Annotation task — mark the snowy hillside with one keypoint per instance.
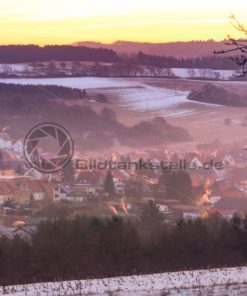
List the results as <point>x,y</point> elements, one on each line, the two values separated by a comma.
<point>227,281</point>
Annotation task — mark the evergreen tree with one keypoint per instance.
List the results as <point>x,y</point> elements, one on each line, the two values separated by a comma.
<point>151,227</point>
<point>109,184</point>
<point>151,215</point>
<point>177,185</point>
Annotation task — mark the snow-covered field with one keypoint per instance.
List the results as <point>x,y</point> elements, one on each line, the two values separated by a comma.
<point>218,282</point>
<point>134,94</point>
<point>151,98</point>
<point>74,82</point>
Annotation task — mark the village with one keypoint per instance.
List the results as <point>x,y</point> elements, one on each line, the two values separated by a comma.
<point>28,197</point>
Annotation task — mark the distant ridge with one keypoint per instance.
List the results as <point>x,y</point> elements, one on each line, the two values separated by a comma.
<point>180,49</point>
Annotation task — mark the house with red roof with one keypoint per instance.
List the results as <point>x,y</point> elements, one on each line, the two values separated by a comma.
<point>31,190</point>
<point>8,191</point>
<point>233,192</point>
<point>227,207</point>
<point>227,214</point>
<point>91,180</point>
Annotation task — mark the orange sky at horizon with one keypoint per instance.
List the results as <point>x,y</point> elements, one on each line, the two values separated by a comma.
<point>63,22</point>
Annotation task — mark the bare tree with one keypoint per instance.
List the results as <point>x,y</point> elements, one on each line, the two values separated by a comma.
<point>51,68</point>
<point>239,46</point>
<point>202,73</point>
<point>63,65</point>
<point>7,70</point>
<point>168,72</point>
<point>191,72</point>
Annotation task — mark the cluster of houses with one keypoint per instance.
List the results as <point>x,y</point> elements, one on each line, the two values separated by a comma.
<point>220,190</point>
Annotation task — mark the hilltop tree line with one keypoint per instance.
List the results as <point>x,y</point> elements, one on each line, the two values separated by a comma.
<point>208,62</point>
<point>34,53</point>
<point>92,247</point>
<point>37,54</point>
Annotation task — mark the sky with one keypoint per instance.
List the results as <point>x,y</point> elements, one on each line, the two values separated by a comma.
<point>64,22</point>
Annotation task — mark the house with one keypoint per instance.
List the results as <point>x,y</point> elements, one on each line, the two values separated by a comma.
<point>77,193</point>
<point>240,157</point>
<point>239,178</point>
<point>5,143</point>
<point>30,190</point>
<point>179,209</point>
<point>119,186</point>
<point>11,160</point>
<point>229,161</point>
<point>239,203</point>
<point>87,188</point>
<point>48,187</point>
<point>215,195</point>
<point>60,192</point>
<point>163,208</point>
<point>76,196</point>
<point>93,181</point>
<point>220,174</point>
<point>227,214</point>
<point>192,215</point>
<point>34,174</point>
<point>233,192</point>
<point>232,203</point>
<point>195,159</point>
<point>36,189</point>
<point>24,232</point>
<point>8,191</point>
<point>122,175</point>
<point>11,220</point>
<point>229,206</point>
<point>6,232</point>
<point>200,177</point>
<point>6,173</point>
<point>241,185</point>
<point>156,163</point>
<point>196,181</point>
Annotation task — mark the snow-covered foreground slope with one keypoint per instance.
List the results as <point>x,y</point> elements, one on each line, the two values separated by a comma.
<point>227,281</point>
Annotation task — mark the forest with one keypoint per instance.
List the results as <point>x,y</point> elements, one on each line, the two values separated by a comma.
<point>87,247</point>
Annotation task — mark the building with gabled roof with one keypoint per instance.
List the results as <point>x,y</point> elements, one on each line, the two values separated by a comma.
<point>93,178</point>
<point>232,203</point>
<point>25,232</point>
<point>224,213</point>
<point>8,190</point>
<point>6,232</point>
<point>233,192</point>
